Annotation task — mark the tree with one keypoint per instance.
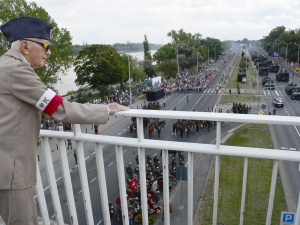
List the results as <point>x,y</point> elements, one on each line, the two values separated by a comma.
<point>61,46</point>
<point>147,53</point>
<point>181,37</point>
<point>164,53</point>
<point>136,68</point>
<point>149,68</point>
<point>168,67</point>
<point>99,65</point>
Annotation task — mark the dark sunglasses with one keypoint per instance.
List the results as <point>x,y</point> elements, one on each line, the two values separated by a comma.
<point>45,45</point>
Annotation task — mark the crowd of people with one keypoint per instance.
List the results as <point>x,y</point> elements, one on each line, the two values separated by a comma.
<point>154,183</point>
<point>240,108</point>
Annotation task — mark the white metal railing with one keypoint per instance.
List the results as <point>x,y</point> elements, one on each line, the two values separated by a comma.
<point>140,143</point>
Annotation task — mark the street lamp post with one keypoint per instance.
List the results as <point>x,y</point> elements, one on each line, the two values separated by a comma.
<point>197,59</point>
<point>129,77</point>
<point>215,51</point>
<point>208,54</point>
<point>298,52</point>
<point>129,63</point>
<point>177,49</point>
<point>286,50</point>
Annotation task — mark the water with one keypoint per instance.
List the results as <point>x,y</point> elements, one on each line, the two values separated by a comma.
<point>67,82</point>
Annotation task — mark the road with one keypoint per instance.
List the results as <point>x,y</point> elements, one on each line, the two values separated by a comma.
<point>287,136</point>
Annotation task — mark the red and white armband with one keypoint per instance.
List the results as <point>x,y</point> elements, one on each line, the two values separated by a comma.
<point>49,102</point>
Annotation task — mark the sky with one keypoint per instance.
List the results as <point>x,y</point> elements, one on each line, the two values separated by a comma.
<point>120,21</point>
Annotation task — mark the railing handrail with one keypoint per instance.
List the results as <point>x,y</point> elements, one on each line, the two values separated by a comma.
<point>141,144</point>
<point>222,117</point>
<point>177,146</point>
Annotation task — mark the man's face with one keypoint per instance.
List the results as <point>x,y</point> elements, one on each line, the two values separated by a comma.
<point>37,53</point>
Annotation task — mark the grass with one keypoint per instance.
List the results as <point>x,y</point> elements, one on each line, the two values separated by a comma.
<point>234,98</point>
<point>230,188</point>
<point>231,176</point>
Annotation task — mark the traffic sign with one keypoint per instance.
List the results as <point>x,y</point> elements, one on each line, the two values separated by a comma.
<point>287,218</point>
<point>260,112</point>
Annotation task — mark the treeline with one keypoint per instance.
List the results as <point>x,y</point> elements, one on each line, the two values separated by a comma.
<point>128,47</point>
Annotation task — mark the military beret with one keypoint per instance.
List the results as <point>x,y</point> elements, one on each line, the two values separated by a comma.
<point>26,27</point>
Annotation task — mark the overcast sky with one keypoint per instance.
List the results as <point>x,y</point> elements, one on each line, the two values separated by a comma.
<point>119,21</point>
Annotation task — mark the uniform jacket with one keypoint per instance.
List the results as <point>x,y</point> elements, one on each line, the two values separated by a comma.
<point>20,90</point>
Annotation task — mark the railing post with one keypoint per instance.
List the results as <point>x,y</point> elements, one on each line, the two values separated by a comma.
<point>52,181</point>
<point>83,178</point>
<point>102,183</point>
<point>297,220</point>
<point>142,169</point>
<point>41,196</point>
<point>244,191</point>
<point>165,163</point>
<point>217,175</point>
<point>190,215</point>
<point>122,184</point>
<point>68,182</point>
<point>272,192</point>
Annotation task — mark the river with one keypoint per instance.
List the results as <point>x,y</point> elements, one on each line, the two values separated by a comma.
<point>67,82</point>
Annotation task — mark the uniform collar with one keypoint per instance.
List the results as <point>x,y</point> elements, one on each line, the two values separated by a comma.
<point>16,54</point>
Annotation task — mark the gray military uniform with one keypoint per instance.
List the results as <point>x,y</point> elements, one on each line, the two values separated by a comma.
<point>20,90</point>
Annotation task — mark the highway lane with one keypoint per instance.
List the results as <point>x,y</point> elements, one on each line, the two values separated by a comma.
<point>287,136</point>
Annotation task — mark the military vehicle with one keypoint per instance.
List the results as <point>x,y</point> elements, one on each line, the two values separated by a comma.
<point>274,68</point>
<point>268,63</point>
<point>283,76</point>
<point>291,87</point>
<point>266,79</point>
<point>269,85</point>
<point>263,71</point>
<point>295,94</point>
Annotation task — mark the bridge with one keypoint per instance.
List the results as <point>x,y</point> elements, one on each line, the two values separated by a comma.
<point>140,143</point>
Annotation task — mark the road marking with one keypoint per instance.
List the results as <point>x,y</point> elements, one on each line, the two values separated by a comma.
<point>125,151</point>
<point>93,180</point>
<point>79,191</point>
<point>52,216</point>
<point>120,133</point>
<point>99,222</point>
<point>58,179</point>
<point>110,163</point>
<point>297,130</point>
<point>293,149</point>
<point>87,158</point>
<point>46,188</point>
<point>284,148</point>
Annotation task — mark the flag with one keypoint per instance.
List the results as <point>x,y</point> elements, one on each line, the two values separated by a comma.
<point>132,184</point>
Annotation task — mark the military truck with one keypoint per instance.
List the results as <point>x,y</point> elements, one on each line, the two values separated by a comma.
<point>263,71</point>
<point>274,68</point>
<point>269,85</point>
<point>266,79</point>
<point>283,76</point>
<point>291,87</point>
<point>295,94</point>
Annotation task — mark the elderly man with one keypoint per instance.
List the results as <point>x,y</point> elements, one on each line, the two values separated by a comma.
<point>23,98</point>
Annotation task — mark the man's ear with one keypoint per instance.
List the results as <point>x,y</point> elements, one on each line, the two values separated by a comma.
<point>24,48</point>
